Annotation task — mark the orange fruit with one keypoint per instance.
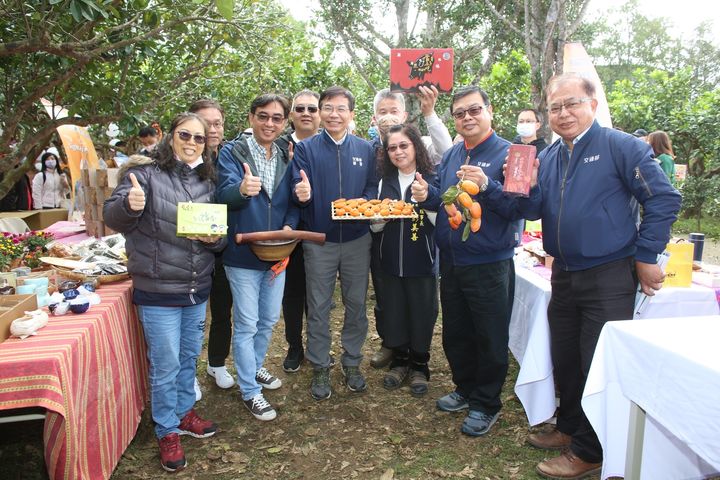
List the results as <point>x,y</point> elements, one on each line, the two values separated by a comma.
<point>400,204</point>
<point>339,212</point>
<point>374,201</point>
<point>458,217</point>
<point>470,187</point>
<point>407,210</point>
<point>475,210</point>
<point>453,224</point>
<point>474,224</point>
<point>369,212</point>
<point>386,201</point>
<point>376,208</point>
<point>352,203</point>
<point>354,212</point>
<point>465,200</point>
<point>396,211</point>
<point>450,208</point>
<point>384,212</point>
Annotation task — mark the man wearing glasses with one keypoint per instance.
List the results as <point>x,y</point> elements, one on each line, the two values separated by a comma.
<point>305,122</point>
<point>254,179</point>
<point>586,188</point>
<point>326,167</point>
<point>477,275</point>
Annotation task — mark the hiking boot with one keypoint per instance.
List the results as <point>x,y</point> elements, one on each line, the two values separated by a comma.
<point>260,408</point>
<point>381,358</point>
<point>320,386</point>
<point>478,423</point>
<point>395,377</point>
<point>418,383</point>
<point>198,392</point>
<point>552,440</point>
<point>222,377</point>
<point>172,456</point>
<point>452,402</point>
<point>354,379</point>
<point>191,424</point>
<point>265,380</point>
<point>293,359</point>
<point>567,466</point>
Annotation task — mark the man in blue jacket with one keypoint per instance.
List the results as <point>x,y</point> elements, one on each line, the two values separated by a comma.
<point>477,275</point>
<point>254,180</point>
<point>587,192</point>
<point>326,167</point>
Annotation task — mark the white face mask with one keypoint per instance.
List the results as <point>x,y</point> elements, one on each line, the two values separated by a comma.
<point>50,164</point>
<point>38,166</point>
<point>526,129</point>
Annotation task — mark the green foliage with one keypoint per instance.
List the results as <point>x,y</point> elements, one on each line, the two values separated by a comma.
<point>509,88</point>
<point>700,196</point>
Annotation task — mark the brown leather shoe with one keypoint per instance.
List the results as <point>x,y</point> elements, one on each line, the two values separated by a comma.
<point>381,358</point>
<point>552,440</point>
<point>567,466</point>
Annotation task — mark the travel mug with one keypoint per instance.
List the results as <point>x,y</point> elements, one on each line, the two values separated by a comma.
<point>698,239</point>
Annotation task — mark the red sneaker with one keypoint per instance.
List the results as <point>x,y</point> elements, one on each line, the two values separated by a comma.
<point>172,457</point>
<point>195,426</point>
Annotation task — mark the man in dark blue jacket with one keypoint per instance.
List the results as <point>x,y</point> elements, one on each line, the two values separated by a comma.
<point>326,167</point>
<point>587,192</point>
<point>477,275</point>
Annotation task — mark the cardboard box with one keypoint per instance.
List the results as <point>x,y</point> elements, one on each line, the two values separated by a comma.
<point>201,219</point>
<point>38,219</point>
<point>12,307</point>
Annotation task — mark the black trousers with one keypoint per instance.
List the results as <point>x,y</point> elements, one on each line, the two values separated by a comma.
<point>293,303</point>
<point>410,316</point>
<point>581,303</point>
<point>220,334</point>
<point>476,305</point>
<point>376,274</point>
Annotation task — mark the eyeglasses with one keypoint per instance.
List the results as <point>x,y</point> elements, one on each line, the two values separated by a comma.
<point>263,117</point>
<point>185,136</point>
<point>570,105</point>
<point>473,110</point>
<point>340,108</point>
<point>302,108</point>
<point>216,125</point>
<point>401,146</point>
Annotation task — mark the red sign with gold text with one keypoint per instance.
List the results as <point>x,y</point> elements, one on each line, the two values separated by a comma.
<point>414,67</point>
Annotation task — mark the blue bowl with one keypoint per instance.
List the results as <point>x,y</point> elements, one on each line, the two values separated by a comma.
<point>79,307</point>
<point>70,294</point>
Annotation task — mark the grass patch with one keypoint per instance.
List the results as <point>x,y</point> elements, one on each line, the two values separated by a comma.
<point>710,226</point>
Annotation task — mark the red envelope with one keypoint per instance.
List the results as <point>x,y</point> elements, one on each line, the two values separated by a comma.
<point>519,170</point>
<point>413,67</point>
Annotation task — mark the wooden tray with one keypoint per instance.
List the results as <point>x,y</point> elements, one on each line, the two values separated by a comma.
<point>81,277</point>
<point>361,206</point>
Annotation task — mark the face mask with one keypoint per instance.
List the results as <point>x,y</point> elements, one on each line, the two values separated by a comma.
<point>526,129</point>
<point>373,132</point>
<point>38,166</point>
<point>50,164</point>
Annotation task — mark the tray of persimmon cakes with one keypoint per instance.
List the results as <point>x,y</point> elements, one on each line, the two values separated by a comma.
<point>375,209</point>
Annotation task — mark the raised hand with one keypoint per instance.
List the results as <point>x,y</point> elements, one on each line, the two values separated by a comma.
<point>473,173</point>
<point>291,151</point>
<point>302,188</point>
<point>428,97</point>
<point>136,195</point>
<point>250,185</point>
<point>419,188</point>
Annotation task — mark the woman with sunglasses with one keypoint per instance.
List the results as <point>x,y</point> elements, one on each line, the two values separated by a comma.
<point>171,275</point>
<point>407,258</point>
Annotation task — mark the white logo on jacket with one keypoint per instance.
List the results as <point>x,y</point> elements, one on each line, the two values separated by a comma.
<point>357,161</point>
<point>483,164</point>
<point>592,158</point>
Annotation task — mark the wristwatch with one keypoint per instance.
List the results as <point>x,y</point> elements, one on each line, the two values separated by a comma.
<point>484,186</point>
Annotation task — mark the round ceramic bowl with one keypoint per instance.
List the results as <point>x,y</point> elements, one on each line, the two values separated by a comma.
<point>60,308</point>
<point>273,250</point>
<point>79,306</point>
<point>70,294</point>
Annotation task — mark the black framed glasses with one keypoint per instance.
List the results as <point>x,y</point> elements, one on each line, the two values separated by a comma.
<point>263,117</point>
<point>401,146</point>
<point>185,136</point>
<point>473,110</point>
<point>302,108</point>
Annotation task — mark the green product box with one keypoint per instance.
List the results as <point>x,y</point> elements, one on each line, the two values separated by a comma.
<point>201,219</point>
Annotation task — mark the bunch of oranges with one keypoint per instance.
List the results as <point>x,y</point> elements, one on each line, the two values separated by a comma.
<point>469,211</point>
<point>359,207</point>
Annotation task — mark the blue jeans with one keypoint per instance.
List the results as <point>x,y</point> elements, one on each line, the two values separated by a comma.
<point>257,299</point>
<point>174,338</point>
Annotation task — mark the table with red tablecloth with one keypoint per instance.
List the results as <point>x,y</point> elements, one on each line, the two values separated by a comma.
<point>90,372</point>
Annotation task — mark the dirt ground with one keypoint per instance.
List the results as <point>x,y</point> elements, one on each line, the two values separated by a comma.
<point>374,435</point>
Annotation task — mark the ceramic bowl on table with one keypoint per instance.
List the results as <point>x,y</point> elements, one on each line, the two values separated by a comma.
<point>79,305</point>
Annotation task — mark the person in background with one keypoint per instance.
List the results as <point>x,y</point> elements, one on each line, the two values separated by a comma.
<point>662,148</point>
<point>116,154</point>
<point>19,197</point>
<point>641,133</point>
<point>305,123</point>
<point>254,180</point>
<point>171,275</point>
<point>529,123</point>
<point>407,261</point>
<point>50,187</point>
<point>149,138</point>
<point>220,333</point>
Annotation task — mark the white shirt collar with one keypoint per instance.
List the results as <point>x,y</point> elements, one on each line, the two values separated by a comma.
<point>337,142</point>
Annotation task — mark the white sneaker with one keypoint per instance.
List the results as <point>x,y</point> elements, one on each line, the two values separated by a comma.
<point>222,377</point>
<point>198,392</point>
<point>260,408</point>
<point>266,380</point>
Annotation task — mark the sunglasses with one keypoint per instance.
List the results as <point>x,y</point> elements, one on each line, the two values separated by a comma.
<point>401,146</point>
<point>302,108</point>
<point>264,117</point>
<point>186,136</point>
<point>474,111</point>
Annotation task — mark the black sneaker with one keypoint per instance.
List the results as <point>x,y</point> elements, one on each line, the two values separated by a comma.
<point>293,359</point>
<point>260,408</point>
<point>354,379</point>
<point>266,380</point>
<point>320,386</point>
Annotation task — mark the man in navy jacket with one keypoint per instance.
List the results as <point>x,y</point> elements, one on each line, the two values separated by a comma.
<point>587,191</point>
<point>328,166</point>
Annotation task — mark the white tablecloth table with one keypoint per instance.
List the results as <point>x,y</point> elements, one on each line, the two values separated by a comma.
<point>530,334</point>
<point>670,368</point>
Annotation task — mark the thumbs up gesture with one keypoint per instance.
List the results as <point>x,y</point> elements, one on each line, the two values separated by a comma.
<point>302,188</point>
<point>251,184</point>
<point>419,188</point>
<point>136,196</point>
